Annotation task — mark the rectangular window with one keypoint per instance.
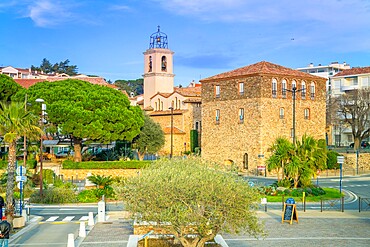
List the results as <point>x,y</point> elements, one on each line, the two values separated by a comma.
<point>303,91</point>
<point>241,115</point>
<point>350,138</point>
<point>197,125</point>
<point>217,116</point>
<point>241,88</point>
<point>274,89</point>
<point>281,113</point>
<point>306,113</point>
<point>217,91</point>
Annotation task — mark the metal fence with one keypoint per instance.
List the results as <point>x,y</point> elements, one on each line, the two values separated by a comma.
<point>363,204</point>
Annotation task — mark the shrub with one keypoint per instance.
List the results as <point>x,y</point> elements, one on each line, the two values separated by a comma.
<point>88,196</point>
<point>54,196</point>
<point>284,183</point>
<point>134,164</point>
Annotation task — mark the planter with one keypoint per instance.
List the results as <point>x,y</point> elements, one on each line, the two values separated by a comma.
<point>19,221</point>
<point>134,240</point>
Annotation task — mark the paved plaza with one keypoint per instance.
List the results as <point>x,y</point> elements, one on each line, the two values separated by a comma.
<point>315,228</point>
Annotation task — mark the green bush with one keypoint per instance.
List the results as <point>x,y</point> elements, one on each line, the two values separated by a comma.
<point>135,164</point>
<point>31,164</point>
<point>332,160</point>
<point>87,196</point>
<point>55,196</point>
<point>48,176</point>
<point>284,183</point>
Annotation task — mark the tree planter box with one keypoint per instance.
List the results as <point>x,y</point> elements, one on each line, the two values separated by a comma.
<point>19,221</point>
<point>134,240</point>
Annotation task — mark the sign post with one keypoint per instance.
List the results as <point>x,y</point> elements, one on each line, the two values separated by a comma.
<point>340,160</point>
<point>21,172</point>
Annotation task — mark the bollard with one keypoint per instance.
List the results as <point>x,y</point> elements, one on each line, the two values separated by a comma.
<point>82,232</point>
<point>71,240</point>
<point>91,219</point>
<point>101,211</point>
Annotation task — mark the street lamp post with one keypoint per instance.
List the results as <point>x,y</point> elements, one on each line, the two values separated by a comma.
<point>171,153</point>
<point>294,93</point>
<point>43,109</point>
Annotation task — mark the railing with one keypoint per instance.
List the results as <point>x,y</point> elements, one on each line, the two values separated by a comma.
<point>363,204</point>
<point>332,205</point>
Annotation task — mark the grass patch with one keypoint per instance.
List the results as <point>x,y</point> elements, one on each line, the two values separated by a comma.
<point>330,193</point>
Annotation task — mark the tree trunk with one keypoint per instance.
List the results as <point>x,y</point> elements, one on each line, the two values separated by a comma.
<point>9,209</point>
<point>77,148</point>
<point>357,144</point>
<point>141,155</point>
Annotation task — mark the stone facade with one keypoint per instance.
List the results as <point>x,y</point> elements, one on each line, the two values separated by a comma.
<point>231,138</point>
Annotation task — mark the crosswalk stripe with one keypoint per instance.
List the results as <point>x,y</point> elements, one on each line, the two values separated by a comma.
<point>83,218</point>
<point>68,218</point>
<point>53,218</point>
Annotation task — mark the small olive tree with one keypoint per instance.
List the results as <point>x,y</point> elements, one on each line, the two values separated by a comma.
<point>194,199</point>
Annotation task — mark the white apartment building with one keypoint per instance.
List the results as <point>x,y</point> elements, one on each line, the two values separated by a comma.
<point>355,78</point>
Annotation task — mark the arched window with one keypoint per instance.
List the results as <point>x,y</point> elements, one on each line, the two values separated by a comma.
<point>303,90</point>
<point>179,102</point>
<point>156,106</point>
<point>164,63</point>
<point>274,88</point>
<point>176,106</point>
<point>283,88</point>
<point>150,64</point>
<point>312,90</point>
<point>281,113</point>
<point>162,105</point>
<point>217,113</point>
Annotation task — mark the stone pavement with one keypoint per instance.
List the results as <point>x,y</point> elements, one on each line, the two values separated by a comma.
<point>328,228</point>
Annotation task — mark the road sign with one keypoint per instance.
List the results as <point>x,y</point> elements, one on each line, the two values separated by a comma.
<point>340,159</point>
<point>19,185</point>
<point>20,178</point>
<point>21,171</point>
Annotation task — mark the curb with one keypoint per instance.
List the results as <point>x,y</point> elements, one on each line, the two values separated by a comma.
<point>33,223</point>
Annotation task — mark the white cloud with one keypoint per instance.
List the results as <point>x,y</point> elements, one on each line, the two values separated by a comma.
<point>120,8</point>
<point>48,13</point>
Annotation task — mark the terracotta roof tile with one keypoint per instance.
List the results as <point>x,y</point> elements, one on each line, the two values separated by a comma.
<point>354,71</point>
<point>26,83</point>
<point>189,91</point>
<point>260,68</point>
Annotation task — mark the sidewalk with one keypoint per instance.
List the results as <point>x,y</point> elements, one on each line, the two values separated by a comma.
<point>328,228</point>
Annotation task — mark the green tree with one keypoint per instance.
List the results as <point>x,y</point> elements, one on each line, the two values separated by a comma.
<point>281,155</point>
<point>87,111</point>
<point>151,138</point>
<point>193,193</point>
<point>299,163</point>
<point>15,122</point>
<point>135,86</point>
<point>8,87</point>
<point>61,67</point>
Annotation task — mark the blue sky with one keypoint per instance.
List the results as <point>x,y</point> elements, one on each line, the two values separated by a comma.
<point>108,38</point>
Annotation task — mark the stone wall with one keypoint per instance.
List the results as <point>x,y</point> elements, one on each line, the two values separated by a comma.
<point>82,173</point>
<point>230,138</point>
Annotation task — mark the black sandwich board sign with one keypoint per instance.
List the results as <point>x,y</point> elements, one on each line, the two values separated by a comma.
<point>290,211</point>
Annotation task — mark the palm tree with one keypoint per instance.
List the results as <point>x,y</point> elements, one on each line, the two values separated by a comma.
<point>15,122</point>
<point>282,151</point>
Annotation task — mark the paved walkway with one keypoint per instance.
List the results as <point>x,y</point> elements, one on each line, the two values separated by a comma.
<point>330,228</point>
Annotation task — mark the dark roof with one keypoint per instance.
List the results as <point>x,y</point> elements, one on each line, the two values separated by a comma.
<point>260,68</point>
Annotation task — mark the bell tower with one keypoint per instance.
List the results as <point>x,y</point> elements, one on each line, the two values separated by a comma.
<point>158,67</point>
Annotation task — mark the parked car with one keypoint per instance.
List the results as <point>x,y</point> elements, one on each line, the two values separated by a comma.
<point>364,144</point>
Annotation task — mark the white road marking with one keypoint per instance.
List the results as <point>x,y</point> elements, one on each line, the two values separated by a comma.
<point>52,218</point>
<point>68,218</point>
<point>84,218</point>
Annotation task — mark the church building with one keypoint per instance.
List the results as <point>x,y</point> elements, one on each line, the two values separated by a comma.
<point>176,109</point>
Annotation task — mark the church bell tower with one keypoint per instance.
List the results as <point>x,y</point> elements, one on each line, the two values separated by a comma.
<point>158,67</point>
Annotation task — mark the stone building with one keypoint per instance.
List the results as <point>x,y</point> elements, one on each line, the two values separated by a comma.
<point>246,109</point>
<point>176,109</point>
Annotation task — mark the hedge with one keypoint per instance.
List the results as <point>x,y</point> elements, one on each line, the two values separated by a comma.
<point>31,164</point>
<point>69,164</point>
